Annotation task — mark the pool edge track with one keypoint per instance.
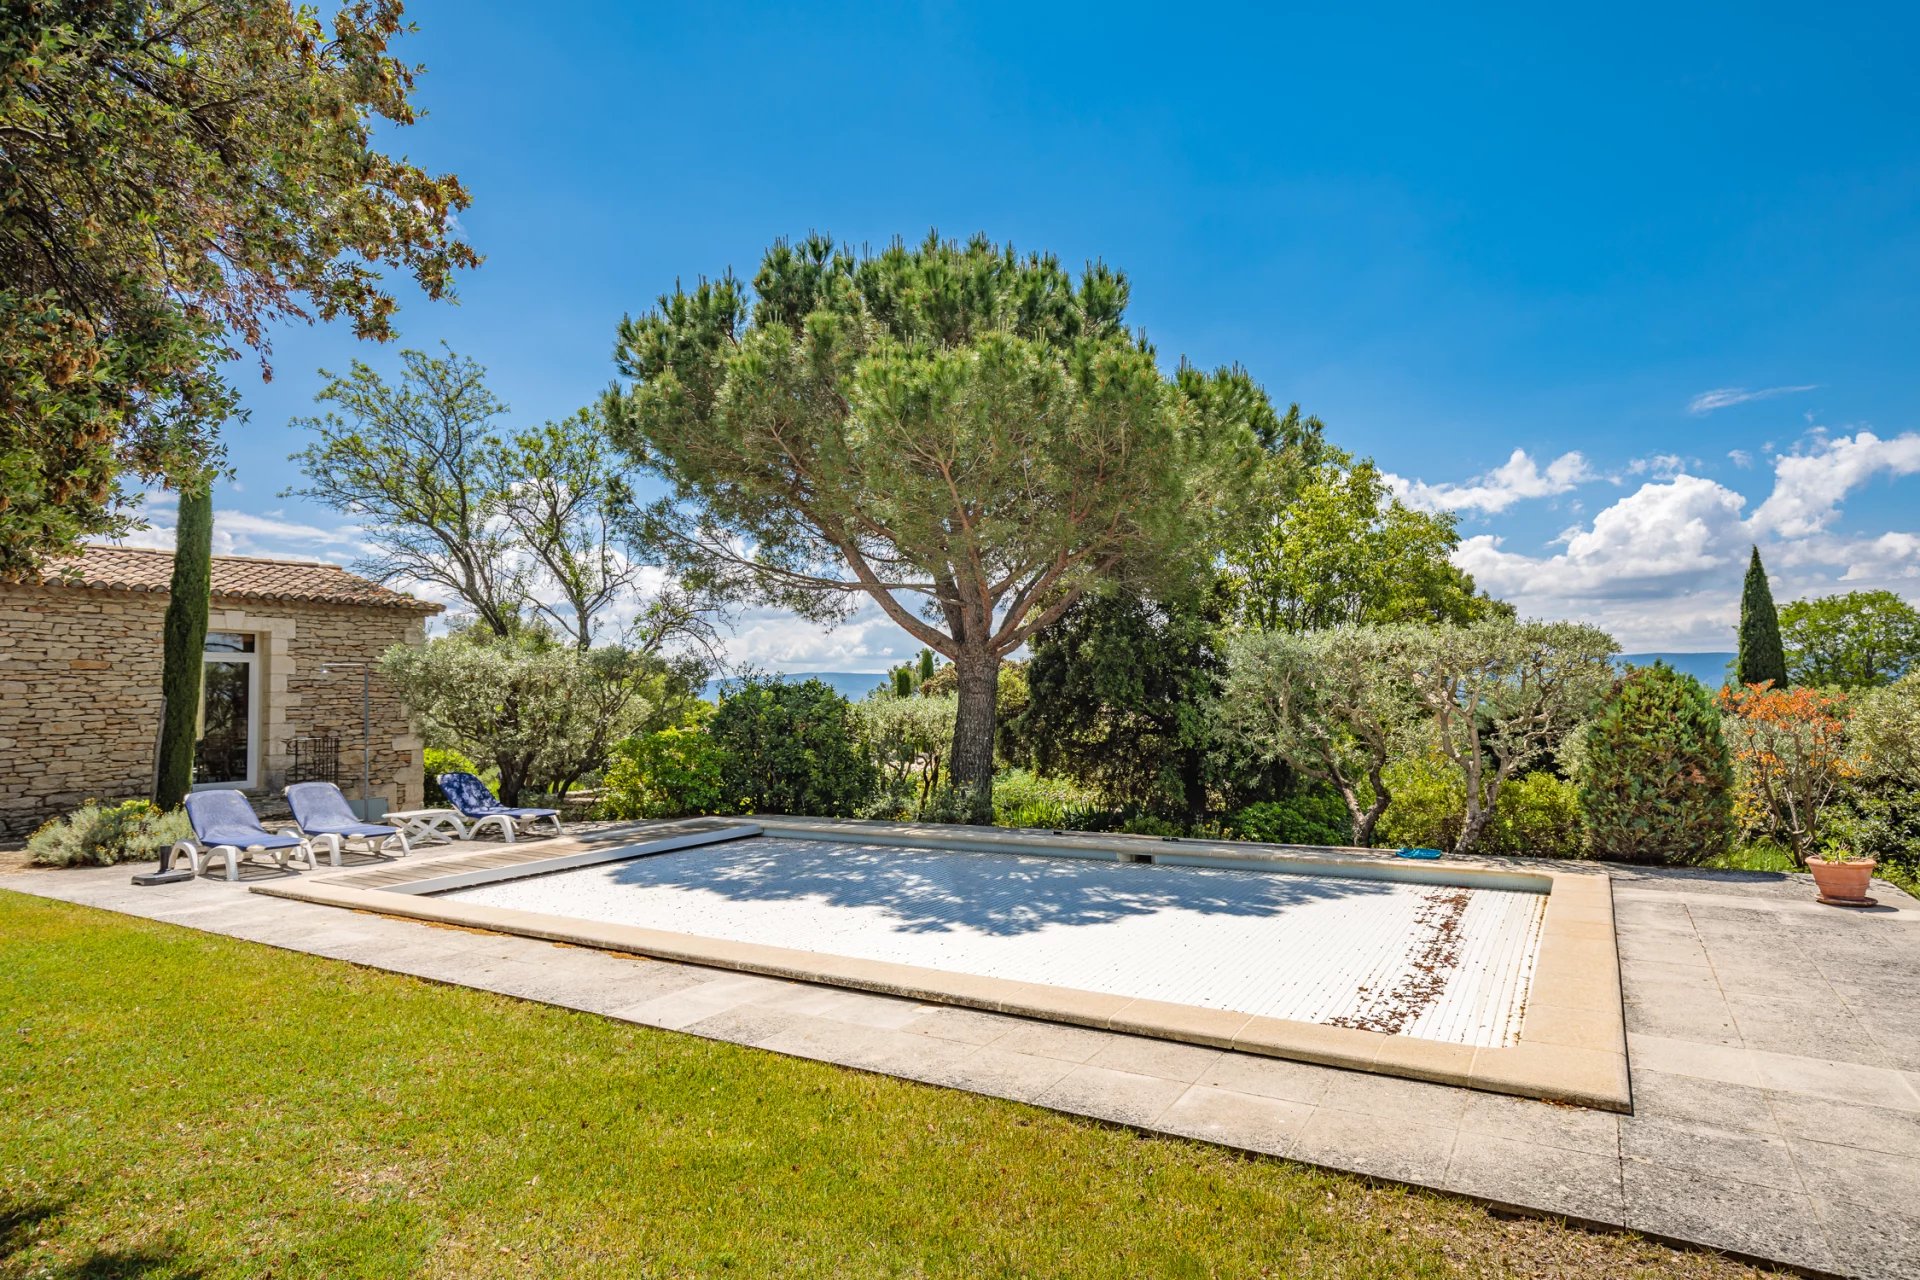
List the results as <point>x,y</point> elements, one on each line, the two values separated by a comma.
<point>1572,1046</point>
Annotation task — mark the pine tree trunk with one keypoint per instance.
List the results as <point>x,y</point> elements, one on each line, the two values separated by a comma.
<point>971,771</point>
<point>185,639</point>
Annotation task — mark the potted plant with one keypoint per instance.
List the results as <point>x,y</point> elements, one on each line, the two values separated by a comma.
<point>1841,877</point>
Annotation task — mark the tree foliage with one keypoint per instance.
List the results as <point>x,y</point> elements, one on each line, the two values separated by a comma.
<point>1761,657</point>
<point>1790,752</point>
<point>669,773</point>
<point>1120,690</point>
<point>1500,695</point>
<point>1335,705</point>
<point>1851,641</point>
<point>1883,765</point>
<point>1333,546</point>
<point>908,738</point>
<point>541,713</point>
<point>526,526</point>
<point>1656,780</point>
<point>184,644</point>
<point>180,177</point>
<point>791,747</point>
<point>967,435</point>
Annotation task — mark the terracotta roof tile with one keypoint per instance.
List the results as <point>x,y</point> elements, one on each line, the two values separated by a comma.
<point>234,578</point>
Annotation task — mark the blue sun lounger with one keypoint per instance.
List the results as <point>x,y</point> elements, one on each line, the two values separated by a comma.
<point>322,814</point>
<point>225,827</point>
<point>479,806</point>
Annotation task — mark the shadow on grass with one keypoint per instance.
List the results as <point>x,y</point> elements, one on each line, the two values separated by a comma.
<point>20,1218</point>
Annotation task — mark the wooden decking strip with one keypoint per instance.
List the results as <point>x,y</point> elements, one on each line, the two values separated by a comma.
<point>410,869</point>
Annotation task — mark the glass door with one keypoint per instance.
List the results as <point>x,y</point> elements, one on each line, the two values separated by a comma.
<point>226,754</point>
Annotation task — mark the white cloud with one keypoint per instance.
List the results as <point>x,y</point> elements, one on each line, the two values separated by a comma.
<point>1740,458</point>
<point>1662,466</point>
<point>1726,397</point>
<point>1515,480</point>
<point>1808,486</point>
<point>774,640</point>
<point>1661,567</point>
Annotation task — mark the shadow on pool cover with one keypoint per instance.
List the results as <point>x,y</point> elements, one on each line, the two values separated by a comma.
<point>1004,894</point>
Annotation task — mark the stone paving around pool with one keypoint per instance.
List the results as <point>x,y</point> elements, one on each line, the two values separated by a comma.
<point>1774,1046</point>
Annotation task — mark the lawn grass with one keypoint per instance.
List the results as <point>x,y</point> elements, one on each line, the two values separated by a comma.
<point>178,1104</point>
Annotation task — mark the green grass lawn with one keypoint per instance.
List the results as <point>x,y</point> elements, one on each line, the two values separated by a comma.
<point>176,1104</point>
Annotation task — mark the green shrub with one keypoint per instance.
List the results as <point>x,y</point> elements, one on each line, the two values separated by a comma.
<point>1535,815</point>
<point>1656,778</point>
<point>100,835</point>
<point>791,747</point>
<point>1022,798</point>
<point>668,774</point>
<point>433,762</point>
<point>1429,804</point>
<point>1882,801</point>
<point>1315,817</point>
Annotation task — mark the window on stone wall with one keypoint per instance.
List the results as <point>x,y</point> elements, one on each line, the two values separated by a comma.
<point>227,753</point>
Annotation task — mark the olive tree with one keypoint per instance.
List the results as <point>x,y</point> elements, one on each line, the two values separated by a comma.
<point>1501,694</point>
<point>540,712</point>
<point>968,436</point>
<point>1337,705</point>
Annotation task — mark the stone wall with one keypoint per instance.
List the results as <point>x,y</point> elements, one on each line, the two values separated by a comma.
<point>80,694</point>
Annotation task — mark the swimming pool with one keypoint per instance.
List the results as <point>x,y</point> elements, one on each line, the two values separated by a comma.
<point>1494,973</point>
<point>1443,962</point>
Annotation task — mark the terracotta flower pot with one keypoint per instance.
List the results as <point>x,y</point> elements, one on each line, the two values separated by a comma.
<point>1843,884</point>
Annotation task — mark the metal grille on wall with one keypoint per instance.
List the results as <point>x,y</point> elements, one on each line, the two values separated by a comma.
<point>314,758</point>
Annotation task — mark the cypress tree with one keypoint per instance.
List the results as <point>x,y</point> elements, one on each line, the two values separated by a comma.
<point>185,631</point>
<point>1761,655</point>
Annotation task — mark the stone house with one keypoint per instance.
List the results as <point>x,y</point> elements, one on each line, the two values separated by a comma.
<point>287,643</point>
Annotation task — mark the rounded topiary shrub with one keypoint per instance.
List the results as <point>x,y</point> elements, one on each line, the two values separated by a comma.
<point>791,747</point>
<point>1656,779</point>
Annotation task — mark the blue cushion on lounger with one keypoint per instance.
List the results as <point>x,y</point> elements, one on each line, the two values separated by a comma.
<point>321,809</point>
<point>225,817</point>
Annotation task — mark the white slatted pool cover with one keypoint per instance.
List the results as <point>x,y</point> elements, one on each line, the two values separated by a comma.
<point>1435,961</point>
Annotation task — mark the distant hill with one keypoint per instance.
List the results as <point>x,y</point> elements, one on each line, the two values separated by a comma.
<point>1709,669</point>
<point>852,685</point>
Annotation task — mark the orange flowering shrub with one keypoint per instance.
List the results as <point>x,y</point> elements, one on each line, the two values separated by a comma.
<point>1790,759</point>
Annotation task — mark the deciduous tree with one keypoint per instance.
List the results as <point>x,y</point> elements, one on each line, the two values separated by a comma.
<point>180,176</point>
<point>1790,749</point>
<point>1334,547</point>
<point>527,525</point>
<point>1851,641</point>
<point>969,436</point>
<point>1120,693</point>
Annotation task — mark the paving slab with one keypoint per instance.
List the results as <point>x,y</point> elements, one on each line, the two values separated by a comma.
<point>1776,1104</point>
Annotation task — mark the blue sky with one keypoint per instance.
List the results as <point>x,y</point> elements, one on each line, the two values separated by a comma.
<point>1530,262</point>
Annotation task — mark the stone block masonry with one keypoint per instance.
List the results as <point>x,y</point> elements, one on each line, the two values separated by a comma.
<point>80,693</point>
